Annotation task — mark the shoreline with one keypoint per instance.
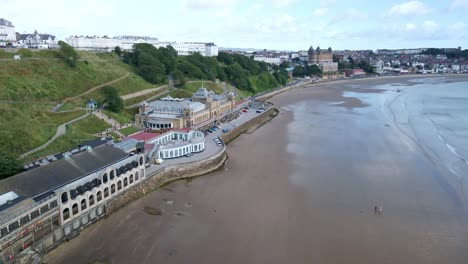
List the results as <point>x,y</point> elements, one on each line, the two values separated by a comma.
<point>225,207</point>
<point>380,79</point>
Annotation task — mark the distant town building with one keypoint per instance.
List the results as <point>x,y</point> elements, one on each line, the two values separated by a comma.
<point>354,72</point>
<point>7,32</point>
<point>94,43</point>
<point>322,58</point>
<point>36,40</point>
<point>187,48</point>
<point>271,60</point>
<point>127,42</point>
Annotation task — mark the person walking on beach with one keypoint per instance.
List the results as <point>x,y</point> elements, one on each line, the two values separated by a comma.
<point>375,209</point>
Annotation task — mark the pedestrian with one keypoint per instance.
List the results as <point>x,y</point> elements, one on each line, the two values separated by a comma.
<point>375,209</point>
<point>380,209</point>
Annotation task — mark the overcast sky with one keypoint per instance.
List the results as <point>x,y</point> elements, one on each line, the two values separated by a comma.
<point>270,24</point>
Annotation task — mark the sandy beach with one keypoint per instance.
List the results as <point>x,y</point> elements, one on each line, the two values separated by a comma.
<point>301,189</point>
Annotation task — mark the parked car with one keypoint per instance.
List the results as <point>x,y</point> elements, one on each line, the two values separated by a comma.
<point>245,111</point>
<point>189,155</point>
<point>225,130</point>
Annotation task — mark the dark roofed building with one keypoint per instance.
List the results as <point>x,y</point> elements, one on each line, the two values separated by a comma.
<point>36,40</point>
<point>49,177</point>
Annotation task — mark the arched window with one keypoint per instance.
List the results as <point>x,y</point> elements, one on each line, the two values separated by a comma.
<point>131,179</point>
<point>104,178</point>
<point>75,209</point>
<point>99,196</point>
<point>112,174</point>
<point>137,176</point>
<point>64,197</point>
<point>112,188</point>
<point>119,185</point>
<point>106,192</point>
<point>83,204</point>
<point>91,200</point>
<point>66,214</point>
<point>125,182</point>
<point>141,161</point>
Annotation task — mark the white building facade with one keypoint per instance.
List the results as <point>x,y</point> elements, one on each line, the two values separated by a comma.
<point>95,43</point>
<point>7,32</point>
<point>36,40</point>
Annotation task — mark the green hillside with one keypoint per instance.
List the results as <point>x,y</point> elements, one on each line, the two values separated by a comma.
<point>32,86</point>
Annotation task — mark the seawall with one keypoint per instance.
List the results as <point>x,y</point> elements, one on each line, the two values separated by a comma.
<point>167,175</point>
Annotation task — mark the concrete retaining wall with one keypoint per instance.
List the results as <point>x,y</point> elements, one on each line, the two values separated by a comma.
<point>258,120</point>
<point>166,175</point>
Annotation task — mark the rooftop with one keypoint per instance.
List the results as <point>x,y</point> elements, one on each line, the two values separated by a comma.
<point>4,22</point>
<point>45,179</point>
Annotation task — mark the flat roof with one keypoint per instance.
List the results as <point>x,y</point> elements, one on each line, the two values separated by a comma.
<point>54,175</point>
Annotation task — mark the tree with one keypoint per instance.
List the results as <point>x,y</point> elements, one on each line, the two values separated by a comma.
<point>118,50</point>
<point>114,102</point>
<point>298,71</point>
<point>284,65</point>
<point>68,54</point>
<point>9,165</point>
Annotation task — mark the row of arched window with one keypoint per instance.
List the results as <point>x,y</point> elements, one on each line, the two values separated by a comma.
<point>99,196</point>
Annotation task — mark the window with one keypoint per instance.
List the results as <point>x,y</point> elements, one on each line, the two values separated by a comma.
<point>104,178</point>
<point>91,200</point>
<point>131,179</point>
<point>53,204</point>
<point>141,161</point>
<point>34,214</point>
<point>106,192</point>
<point>4,231</point>
<point>125,182</point>
<point>66,214</point>
<point>44,209</point>
<point>64,197</point>
<point>13,226</point>
<point>99,196</point>
<point>75,209</point>
<point>119,185</point>
<point>112,174</point>
<point>112,188</point>
<point>83,204</point>
<point>24,220</point>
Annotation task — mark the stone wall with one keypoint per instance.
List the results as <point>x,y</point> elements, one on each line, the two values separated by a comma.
<point>258,120</point>
<point>164,176</point>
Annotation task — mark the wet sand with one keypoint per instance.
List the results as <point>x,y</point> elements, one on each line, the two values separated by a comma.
<point>300,189</point>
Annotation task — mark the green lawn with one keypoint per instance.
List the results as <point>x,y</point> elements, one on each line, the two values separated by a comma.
<point>145,97</point>
<point>26,126</point>
<point>55,80</point>
<point>180,93</point>
<point>129,130</point>
<point>77,133</point>
<point>194,86</point>
<point>126,116</point>
<point>91,125</point>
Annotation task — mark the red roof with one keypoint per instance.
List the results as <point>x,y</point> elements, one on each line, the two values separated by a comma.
<point>144,136</point>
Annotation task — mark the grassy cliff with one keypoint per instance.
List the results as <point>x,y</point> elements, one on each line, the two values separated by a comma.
<point>32,86</point>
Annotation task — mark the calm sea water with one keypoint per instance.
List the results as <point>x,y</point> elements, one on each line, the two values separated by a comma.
<point>405,150</point>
